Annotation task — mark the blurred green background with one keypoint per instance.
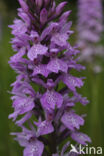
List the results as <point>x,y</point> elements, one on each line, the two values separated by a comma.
<point>93,88</point>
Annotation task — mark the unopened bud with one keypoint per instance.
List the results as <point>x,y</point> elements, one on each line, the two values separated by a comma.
<point>65,15</point>
<point>23,5</point>
<point>39,3</point>
<point>46,2</point>
<point>43,16</point>
<point>60,8</point>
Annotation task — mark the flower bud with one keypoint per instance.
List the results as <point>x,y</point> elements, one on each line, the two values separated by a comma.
<point>39,3</point>
<point>43,16</point>
<point>65,15</point>
<point>23,5</point>
<point>46,2</point>
<point>60,8</point>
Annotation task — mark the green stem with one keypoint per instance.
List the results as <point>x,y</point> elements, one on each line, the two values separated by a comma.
<point>53,143</point>
<point>95,127</point>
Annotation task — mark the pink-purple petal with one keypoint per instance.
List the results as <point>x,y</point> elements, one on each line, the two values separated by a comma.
<point>36,50</point>
<point>51,99</point>
<point>34,149</point>
<point>56,65</point>
<point>72,120</point>
<point>81,138</point>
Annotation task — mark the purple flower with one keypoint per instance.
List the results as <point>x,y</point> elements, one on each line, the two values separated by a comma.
<point>56,65</point>
<point>35,148</point>
<point>45,92</point>
<point>72,120</point>
<point>90,28</point>
<point>60,39</point>
<point>81,138</point>
<point>90,24</point>
<point>19,27</point>
<point>44,127</point>
<point>36,50</point>
<point>21,105</point>
<point>28,140</point>
<point>26,117</point>
<point>51,99</point>
<point>72,82</point>
<point>18,57</point>
<point>41,69</point>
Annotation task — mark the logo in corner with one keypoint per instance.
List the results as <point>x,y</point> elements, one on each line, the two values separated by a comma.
<point>73,149</point>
